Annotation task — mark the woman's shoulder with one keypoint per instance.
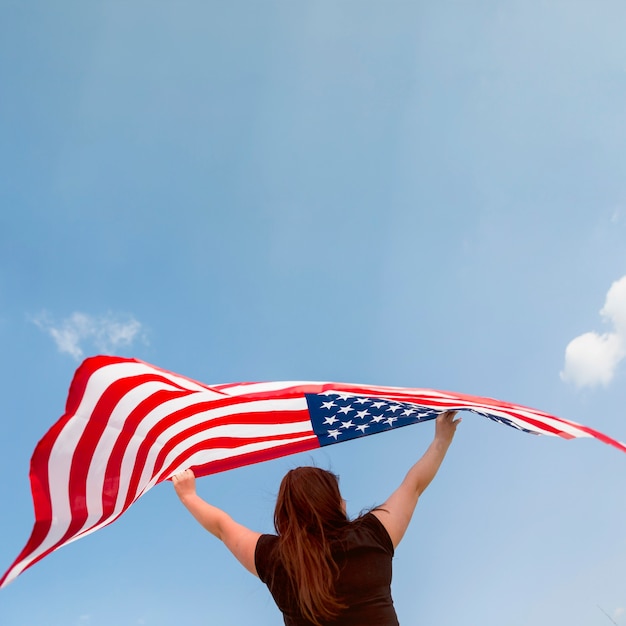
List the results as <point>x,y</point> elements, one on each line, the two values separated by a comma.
<point>367,527</point>
<point>263,554</point>
<point>265,544</point>
<point>368,519</point>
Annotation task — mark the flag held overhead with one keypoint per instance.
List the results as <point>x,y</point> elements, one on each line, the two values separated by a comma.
<point>129,425</point>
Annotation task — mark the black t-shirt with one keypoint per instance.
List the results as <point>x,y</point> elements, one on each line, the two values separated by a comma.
<point>363,553</point>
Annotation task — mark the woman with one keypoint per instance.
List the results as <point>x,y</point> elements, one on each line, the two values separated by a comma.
<point>321,568</point>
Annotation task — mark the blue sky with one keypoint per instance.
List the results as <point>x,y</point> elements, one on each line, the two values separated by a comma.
<point>420,194</point>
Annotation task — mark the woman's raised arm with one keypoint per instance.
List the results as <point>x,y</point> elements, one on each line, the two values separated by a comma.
<point>395,514</point>
<point>241,541</point>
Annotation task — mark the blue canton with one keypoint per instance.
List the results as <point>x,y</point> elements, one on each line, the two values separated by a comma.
<point>337,416</point>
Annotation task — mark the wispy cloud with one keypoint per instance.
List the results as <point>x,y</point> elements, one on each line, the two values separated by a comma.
<point>105,333</point>
<point>591,359</point>
<point>618,215</point>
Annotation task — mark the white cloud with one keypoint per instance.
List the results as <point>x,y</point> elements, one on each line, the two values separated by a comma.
<point>106,333</point>
<point>591,359</point>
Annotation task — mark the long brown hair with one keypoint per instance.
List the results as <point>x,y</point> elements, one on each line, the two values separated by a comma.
<point>309,513</point>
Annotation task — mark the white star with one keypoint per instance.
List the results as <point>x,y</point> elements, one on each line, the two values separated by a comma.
<point>362,414</point>
<point>330,420</point>
<point>345,410</point>
<point>377,418</point>
<point>328,405</point>
<point>391,420</point>
<point>334,434</point>
<point>348,424</point>
<point>377,405</point>
<point>362,427</point>
<point>361,400</point>
<point>394,407</point>
<point>408,411</point>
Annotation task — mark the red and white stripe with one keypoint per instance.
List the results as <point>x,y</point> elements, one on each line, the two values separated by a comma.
<point>129,425</point>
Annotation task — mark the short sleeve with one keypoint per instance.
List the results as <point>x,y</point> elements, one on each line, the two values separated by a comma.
<point>378,531</point>
<point>263,555</point>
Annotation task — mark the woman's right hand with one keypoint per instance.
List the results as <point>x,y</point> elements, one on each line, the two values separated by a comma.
<point>445,426</point>
<point>184,483</point>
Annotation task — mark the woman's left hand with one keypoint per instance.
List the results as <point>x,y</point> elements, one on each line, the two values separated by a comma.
<point>184,483</point>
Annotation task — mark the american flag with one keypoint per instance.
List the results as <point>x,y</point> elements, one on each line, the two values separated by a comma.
<point>129,425</point>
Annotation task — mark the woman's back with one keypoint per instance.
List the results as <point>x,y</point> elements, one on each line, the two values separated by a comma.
<point>363,552</point>
<point>322,569</point>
